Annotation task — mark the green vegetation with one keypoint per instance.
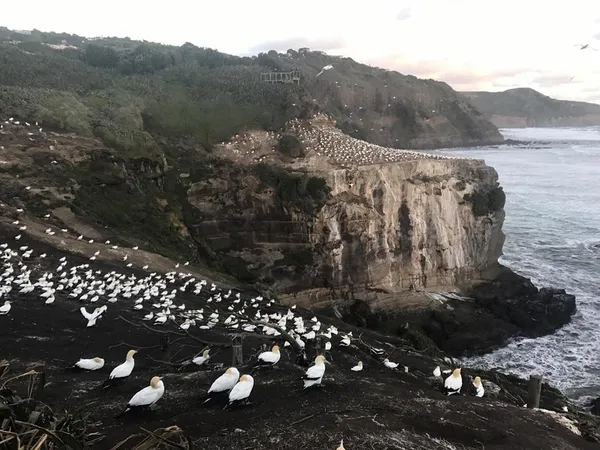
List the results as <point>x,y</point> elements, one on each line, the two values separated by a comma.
<point>484,203</point>
<point>128,93</point>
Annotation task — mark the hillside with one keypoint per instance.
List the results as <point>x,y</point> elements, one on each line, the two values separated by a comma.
<point>128,92</point>
<point>524,107</point>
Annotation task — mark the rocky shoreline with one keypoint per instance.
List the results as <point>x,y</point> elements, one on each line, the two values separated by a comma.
<point>500,306</point>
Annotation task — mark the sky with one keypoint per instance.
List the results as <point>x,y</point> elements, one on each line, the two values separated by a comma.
<point>470,44</point>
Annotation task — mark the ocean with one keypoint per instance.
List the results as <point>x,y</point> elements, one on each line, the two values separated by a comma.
<point>552,232</point>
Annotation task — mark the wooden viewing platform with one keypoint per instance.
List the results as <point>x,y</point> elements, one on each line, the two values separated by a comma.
<point>281,77</point>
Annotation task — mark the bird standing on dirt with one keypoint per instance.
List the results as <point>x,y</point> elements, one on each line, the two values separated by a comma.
<point>94,363</point>
<point>453,384</point>
<point>314,374</point>
<point>341,447</point>
<point>269,358</point>
<point>147,396</point>
<point>122,371</point>
<point>224,383</point>
<point>241,391</point>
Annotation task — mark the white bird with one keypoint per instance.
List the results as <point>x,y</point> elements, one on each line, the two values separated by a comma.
<point>314,374</point>
<point>123,370</point>
<point>242,390</point>
<point>93,317</point>
<point>269,358</point>
<point>4,309</point>
<point>225,382</point>
<point>199,360</point>
<point>341,447</point>
<point>358,367</point>
<point>147,396</point>
<point>478,387</point>
<point>453,384</point>
<point>389,364</point>
<point>327,67</point>
<point>437,372</point>
<point>90,364</point>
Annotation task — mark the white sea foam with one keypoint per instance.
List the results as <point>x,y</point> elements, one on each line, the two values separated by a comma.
<point>552,234</point>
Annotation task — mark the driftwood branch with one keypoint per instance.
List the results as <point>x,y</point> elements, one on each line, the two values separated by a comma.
<point>183,333</point>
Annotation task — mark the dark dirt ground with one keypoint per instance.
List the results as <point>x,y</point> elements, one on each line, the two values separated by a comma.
<point>374,409</point>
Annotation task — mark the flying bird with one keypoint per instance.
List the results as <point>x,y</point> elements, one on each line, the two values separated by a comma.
<point>241,391</point>
<point>324,69</point>
<point>146,397</point>
<point>453,384</point>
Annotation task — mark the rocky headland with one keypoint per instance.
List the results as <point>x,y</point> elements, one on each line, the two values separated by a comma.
<point>524,107</point>
<point>299,192</point>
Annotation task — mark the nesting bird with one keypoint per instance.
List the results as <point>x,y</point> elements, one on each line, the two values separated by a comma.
<point>453,384</point>
<point>148,396</point>
<point>240,393</point>
<point>5,309</point>
<point>314,374</point>
<point>224,383</point>
<point>122,371</point>
<point>90,364</point>
<point>389,364</point>
<point>199,360</point>
<point>269,358</point>
<point>358,367</point>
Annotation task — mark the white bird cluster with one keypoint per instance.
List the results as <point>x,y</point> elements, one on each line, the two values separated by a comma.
<point>345,150</point>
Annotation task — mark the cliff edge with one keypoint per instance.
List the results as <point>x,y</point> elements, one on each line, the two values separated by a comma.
<point>524,107</point>
<point>396,240</point>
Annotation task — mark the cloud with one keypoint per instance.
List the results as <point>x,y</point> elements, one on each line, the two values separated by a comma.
<point>597,36</point>
<point>404,14</point>
<point>323,44</point>
<point>460,78</point>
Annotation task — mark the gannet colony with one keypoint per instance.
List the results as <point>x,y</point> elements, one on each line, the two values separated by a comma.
<point>186,306</point>
<point>320,135</point>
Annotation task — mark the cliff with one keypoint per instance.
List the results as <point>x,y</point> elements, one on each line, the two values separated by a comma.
<point>311,215</point>
<point>524,107</point>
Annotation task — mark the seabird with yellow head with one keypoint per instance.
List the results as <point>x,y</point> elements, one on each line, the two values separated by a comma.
<point>148,396</point>
<point>199,360</point>
<point>241,391</point>
<point>94,363</point>
<point>122,371</point>
<point>269,358</point>
<point>224,383</point>
<point>314,374</point>
<point>453,384</point>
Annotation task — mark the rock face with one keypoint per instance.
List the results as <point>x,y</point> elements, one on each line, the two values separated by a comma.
<point>523,107</point>
<point>361,231</point>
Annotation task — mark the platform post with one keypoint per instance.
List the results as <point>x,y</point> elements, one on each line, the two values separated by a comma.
<point>534,392</point>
